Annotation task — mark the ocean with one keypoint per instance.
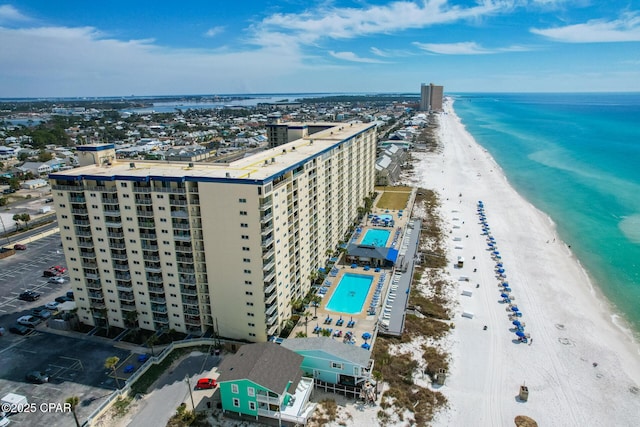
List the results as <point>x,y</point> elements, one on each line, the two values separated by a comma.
<point>576,157</point>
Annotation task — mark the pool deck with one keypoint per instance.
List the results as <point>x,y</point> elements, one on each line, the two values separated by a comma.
<point>390,311</point>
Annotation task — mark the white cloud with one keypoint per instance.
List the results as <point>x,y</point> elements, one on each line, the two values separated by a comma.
<point>625,29</point>
<point>82,61</point>
<point>214,31</point>
<point>9,14</point>
<point>350,56</point>
<point>340,23</point>
<point>390,53</point>
<point>465,48</point>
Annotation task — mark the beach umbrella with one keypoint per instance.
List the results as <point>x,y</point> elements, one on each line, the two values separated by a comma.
<point>492,238</point>
<point>516,323</point>
<point>496,253</point>
<point>520,334</point>
<point>505,284</point>
<point>506,289</point>
<point>501,270</point>
<point>366,336</point>
<point>366,346</point>
<point>515,308</point>
<point>503,295</point>
<point>490,244</point>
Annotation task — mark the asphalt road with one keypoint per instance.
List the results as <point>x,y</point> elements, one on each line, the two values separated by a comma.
<point>172,389</point>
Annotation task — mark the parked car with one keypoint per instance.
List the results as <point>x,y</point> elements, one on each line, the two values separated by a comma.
<point>70,295</point>
<point>50,273</point>
<point>37,377</point>
<point>19,329</point>
<point>53,305</point>
<point>20,247</point>
<point>29,296</point>
<point>206,383</point>
<point>41,312</point>
<point>56,280</point>
<point>60,269</point>
<point>63,299</point>
<point>29,321</point>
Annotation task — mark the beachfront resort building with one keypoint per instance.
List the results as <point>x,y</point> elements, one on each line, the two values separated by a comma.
<point>203,246</point>
<point>431,97</point>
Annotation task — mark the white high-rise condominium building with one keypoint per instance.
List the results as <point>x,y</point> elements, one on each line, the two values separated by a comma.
<point>195,246</point>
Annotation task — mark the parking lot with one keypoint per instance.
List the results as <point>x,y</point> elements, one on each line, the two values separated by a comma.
<point>23,271</point>
<point>75,367</point>
<point>75,364</point>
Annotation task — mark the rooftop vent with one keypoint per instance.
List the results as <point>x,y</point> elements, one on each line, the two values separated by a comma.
<point>132,165</point>
<point>311,142</point>
<point>273,160</point>
<point>266,162</point>
<point>284,150</point>
<point>293,148</point>
<point>190,165</point>
<point>227,174</point>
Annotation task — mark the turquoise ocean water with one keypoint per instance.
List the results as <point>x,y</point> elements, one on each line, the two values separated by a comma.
<point>577,158</point>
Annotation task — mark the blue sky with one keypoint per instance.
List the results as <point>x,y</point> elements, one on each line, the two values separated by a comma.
<point>140,47</point>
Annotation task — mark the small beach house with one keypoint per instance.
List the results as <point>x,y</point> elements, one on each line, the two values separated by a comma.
<point>264,380</point>
<point>331,360</point>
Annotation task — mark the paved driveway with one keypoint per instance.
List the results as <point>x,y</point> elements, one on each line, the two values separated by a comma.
<point>171,389</point>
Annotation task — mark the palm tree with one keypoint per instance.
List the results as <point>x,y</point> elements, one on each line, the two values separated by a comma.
<point>315,301</point>
<point>313,277</point>
<point>306,322</point>
<point>73,403</point>
<point>111,363</point>
<point>131,319</point>
<point>377,375</point>
<point>151,341</point>
<point>17,218</point>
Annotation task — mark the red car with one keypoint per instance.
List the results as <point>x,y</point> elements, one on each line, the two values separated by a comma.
<point>60,269</point>
<point>206,383</point>
<point>19,247</point>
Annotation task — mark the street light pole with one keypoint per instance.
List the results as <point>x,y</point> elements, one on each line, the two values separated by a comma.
<point>186,378</point>
<point>4,230</point>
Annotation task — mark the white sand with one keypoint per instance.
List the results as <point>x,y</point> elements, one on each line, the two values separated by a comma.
<point>570,324</point>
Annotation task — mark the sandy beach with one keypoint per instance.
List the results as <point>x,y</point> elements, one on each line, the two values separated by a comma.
<point>580,368</point>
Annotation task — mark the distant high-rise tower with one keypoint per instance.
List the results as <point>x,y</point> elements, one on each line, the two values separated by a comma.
<point>431,97</point>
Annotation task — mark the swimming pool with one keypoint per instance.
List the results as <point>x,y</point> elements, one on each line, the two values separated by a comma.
<point>350,294</point>
<point>376,237</point>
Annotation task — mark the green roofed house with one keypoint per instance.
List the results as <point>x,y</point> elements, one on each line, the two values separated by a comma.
<point>264,380</point>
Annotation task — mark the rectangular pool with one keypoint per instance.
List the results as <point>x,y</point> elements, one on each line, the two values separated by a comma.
<point>350,294</point>
<point>376,237</point>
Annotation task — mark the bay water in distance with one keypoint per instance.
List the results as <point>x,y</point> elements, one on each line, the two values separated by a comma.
<point>576,157</point>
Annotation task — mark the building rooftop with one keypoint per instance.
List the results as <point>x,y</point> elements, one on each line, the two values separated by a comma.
<point>261,166</point>
<point>267,364</point>
<point>351,353</point>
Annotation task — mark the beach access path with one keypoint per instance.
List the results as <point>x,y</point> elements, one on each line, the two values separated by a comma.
<point>581,368</point>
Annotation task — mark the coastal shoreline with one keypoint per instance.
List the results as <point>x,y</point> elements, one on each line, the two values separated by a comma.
<point>583,359</point>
